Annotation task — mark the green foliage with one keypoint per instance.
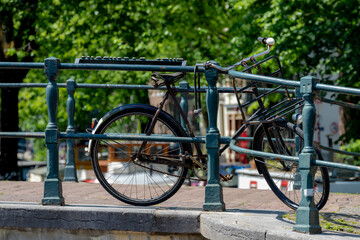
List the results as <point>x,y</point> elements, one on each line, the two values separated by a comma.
<point>352,146</point>
<point>195,30</point>
<point>313,37</point>
<point>17,33</point>
<point>318,37</point>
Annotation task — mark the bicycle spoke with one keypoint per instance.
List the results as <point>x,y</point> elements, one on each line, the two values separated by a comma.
<point>110,145</point>
<point>268,164</point>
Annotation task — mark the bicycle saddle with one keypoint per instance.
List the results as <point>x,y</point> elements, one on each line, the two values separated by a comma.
<point>167,78</point>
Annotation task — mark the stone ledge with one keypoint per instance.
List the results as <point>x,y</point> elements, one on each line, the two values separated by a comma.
<point>149,220</point>
<point>102,220</point>
<point>257,224</point>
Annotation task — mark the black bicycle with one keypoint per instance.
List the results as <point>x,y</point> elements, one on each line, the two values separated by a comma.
<point>147,172</point>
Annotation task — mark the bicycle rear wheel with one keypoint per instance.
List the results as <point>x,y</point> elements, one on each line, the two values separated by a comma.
<point>283,177</point>
<point>144,177</point>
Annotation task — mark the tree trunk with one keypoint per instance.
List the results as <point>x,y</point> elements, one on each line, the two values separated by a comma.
<point>18,38</point>
<point>9,123</point>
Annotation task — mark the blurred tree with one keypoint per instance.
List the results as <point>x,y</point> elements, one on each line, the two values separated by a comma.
<point>194,30</point>
<point>319,38</point>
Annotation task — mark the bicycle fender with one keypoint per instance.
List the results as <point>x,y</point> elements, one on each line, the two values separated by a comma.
<point>126,108</point>
<point>257,164</point>
<point>112,112</point>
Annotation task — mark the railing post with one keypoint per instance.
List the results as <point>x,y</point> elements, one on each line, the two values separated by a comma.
<point>307,215</point>
<point>184,101</point>
<point>213,190</point>
<point>297,175</point>
<point>52,184</point>
<point>70,168</point>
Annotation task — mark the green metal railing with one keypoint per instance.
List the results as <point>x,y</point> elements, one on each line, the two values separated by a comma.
<point>307,214</point>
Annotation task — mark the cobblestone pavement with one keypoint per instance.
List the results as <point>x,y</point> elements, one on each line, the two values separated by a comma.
<point>186,197</point>
<point>343,209</point>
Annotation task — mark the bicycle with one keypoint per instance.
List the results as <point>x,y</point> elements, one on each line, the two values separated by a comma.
<point>149,172</point>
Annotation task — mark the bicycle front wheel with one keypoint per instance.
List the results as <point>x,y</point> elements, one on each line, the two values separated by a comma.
<point>137,176</point>
<point>283,177</point>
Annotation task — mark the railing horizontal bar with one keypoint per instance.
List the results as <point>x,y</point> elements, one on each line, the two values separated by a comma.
<point>21,65</point>
<point>128,86</point>
<point>322,163</point>
<point>117,86</point>
<point>22,135</point>
<point>228,139</point>
<point>267,155</point>
<point>338,89</point>
<point>88,136</point>
<point>129,67</point>
<point>273,156</point>
<point>23,85</point>
<point>178,89</point>
<point>343,104</point>
<point>165,68</point>
<point>64,135</point>
<point>339,151</point>
<point>265,79</point>
<point>290,83</point>
<point>231,90</point>
<point>119,67</point>
<point>199,139</point>
<point>129,137</point>
<point>248,139</point>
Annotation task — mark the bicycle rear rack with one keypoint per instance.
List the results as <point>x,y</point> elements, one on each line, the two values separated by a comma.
<point>134,60</point>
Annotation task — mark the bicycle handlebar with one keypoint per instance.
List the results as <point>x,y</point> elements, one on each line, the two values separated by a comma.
<point>268,41</point>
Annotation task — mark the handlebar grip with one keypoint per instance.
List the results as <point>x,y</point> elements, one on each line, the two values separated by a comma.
<point>267,41</point>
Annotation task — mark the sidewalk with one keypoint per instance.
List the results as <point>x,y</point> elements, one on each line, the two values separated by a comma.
<point>250,214</point>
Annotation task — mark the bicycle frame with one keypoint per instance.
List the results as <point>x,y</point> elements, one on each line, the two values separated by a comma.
<point>262,115</point>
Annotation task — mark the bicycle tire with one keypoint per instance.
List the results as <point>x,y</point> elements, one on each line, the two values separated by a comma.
<point>287,190</point>
<point>137,180</point>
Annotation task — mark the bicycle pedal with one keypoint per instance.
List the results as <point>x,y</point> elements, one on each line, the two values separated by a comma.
<point>229,177</point>
<point>197,112</point>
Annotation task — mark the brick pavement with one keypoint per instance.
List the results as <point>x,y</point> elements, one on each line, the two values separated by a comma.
<point>186,197</point>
